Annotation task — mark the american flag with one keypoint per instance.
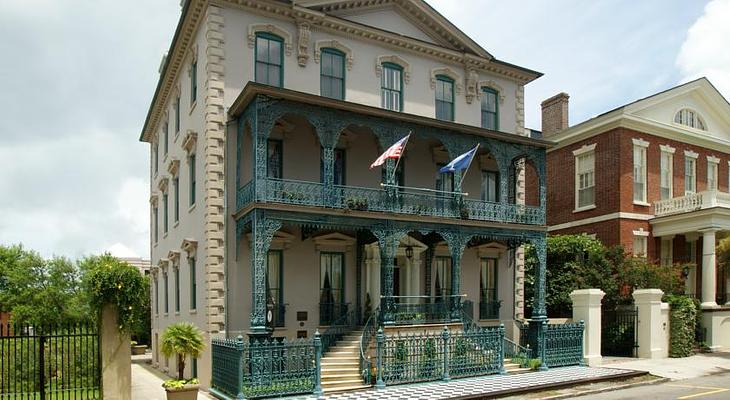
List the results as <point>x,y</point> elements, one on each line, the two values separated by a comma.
<point>393,151</point>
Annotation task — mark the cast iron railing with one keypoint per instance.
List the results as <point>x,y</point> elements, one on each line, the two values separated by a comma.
<point>368,333</point>
<point>489,309</point>
<point>331,312</point>
<point>410,310</point>
<point>564,344</point>
<point>518,354</point>
<point>265,368</point>
<point>337,329</point>
<point>393,200</point>
<point>404,358</point>
<point>50,362</point>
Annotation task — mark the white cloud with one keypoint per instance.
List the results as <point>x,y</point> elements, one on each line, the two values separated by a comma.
<point>706,51</point>
<point>121,251</point>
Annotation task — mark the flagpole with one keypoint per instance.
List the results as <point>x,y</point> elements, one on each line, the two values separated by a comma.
<point>408,138</point>
<point>468,166</point>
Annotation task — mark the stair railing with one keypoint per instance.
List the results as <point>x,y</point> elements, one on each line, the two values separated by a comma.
<point>368,332</point>
<point>337,329</point>
<point>517,354</point>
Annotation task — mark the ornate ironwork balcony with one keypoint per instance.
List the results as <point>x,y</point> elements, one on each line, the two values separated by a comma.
<point>332,313</point>
<point>409,310</point>
<point>389,200</point>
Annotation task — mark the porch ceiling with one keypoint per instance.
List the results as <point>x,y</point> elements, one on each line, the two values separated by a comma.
<point>695,221</point>
<point>252,89</point>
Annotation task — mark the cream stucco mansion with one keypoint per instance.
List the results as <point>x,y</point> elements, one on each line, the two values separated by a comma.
<point>266,218</point>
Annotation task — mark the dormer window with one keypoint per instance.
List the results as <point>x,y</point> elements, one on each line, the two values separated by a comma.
<point>690,118</point>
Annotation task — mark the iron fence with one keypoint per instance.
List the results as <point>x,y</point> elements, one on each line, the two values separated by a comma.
<point>264,368</point>
<point>337,329</point>
<point>563,344</point>
<point>619,328</point>
<point>50,362</point>
<point>410,310</point>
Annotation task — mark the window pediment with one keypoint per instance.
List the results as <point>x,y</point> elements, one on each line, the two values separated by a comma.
<point>333,44</point>
<point>395,59</point>
<point>189,141</point>
<point>189,246</point>
<point>492,249</point>
<point>163,183</point>
<point>173,256</point>
<point>154,199</point>
<point>334,240</point>
<point>491,85</point>
<point>458,85</point>
<point>253,29</point>
<point>173,166</point>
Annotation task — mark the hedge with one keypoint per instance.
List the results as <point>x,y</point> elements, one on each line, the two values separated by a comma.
<point>682,323</point>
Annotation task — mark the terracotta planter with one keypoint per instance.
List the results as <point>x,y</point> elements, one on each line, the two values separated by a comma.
<point>139,350</point>
<point>187,392</point>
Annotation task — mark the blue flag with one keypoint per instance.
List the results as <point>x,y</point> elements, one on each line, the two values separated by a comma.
<point>460,163</point>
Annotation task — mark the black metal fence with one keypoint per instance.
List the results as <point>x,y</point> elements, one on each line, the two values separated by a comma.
<point>618,332</point>
<point>50,362</point>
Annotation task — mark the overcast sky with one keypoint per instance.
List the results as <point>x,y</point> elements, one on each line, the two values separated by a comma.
<point>77,77</point>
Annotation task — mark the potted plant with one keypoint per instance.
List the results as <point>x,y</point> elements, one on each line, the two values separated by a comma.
<point>181,340</point>
<point>137,349</point>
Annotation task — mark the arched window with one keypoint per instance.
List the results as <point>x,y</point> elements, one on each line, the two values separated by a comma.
<point>690,118</point>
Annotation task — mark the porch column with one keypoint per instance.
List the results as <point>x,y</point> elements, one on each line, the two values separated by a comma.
<point>328,174</point>
<point>690,283</point>
<point>388,243</point>
<point>457,243</point>
<point>416,277</point>
<point>261,126</point>
<point>262,231</point>
<point>538,323</point>
<point>708,268</point>
<point>429,260</point>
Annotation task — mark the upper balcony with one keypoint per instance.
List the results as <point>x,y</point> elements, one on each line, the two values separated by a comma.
<point>692,202</point>
<point>303,150</point>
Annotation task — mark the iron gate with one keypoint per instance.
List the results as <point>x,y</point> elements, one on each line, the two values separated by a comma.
<point>619,332</point>
<point>50,363</point>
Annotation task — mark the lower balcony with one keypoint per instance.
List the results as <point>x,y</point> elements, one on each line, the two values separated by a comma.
<point>692,202</point>
<point>390,200</point>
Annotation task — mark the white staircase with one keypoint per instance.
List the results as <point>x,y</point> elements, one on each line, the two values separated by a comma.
<point>341,365</point>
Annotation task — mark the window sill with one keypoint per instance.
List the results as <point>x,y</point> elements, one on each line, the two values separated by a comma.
<point>164,315</point>
<point>489,319</point>
<point>154,244</point>
<point>192,107</point>
<point>191,208</point>
<point>164,235</point>
<point>193,311</point>
<point>641,203</point>
<point>177,313</point>
<point>585,208</point>
<point>176,224</point>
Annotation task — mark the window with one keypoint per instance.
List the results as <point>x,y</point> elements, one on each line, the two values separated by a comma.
<point>193,81</point>
<point>639,174</point>
<point>490,186</point>
<point>177,114</point>
<point>274,158</point>
<point>177,290</point>
<point>269,59</point>
<point>640,240</point>
<point>156,157</point>
<point>442,280</point>
<point>193,284</point>
<point>164,213</point>
<point>191,166</point>
<point>712,170</point>
<point>338,166</point>
<point>666,257</point>
<point>444,180</point>
<point>157,296</point>
<point>165,130</point>
<point>176,195</point>
<point>274,281</point>
<point>689,118</point>
<point>690,175</point>
<point>399,174</point>
<point>691,250</point>
<point>391,87</point>
<point>332,74</point>
<point>155,216</point>
<point>585,179</point>
<point>488,305</point>
<point>666,175</point>
<point>444,98</point>
<point>490,109</point>
<point>331,287</point>
<point>195,368</point>
<point>167,293</point>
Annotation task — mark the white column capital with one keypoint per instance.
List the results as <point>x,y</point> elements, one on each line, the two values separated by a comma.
<point>587,297</point>
<point>647,296</point>
<point>708,231</point>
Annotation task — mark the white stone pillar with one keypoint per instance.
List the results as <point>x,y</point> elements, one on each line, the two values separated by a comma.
<point>708,269</point>
<point>587,307</point>
<point>649,305</point>
<point>116,358</point>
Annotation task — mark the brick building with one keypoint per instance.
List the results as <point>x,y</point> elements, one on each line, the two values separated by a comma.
<point>651,175</point>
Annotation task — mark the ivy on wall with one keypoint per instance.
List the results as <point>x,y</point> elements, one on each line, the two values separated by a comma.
<point>682,325</point>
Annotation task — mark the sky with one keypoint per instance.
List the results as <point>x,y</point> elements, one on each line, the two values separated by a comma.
<point>77,78</point>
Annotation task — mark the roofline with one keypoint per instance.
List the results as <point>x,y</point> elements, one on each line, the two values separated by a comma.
<point>252,89</point>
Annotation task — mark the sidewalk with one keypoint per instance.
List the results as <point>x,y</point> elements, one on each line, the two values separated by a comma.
<point>675,368</point>
<point>147,382</point>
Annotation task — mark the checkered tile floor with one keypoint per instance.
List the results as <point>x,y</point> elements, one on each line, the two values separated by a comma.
<point>483,386</point>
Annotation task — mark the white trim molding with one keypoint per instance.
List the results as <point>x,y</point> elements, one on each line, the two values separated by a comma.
<point>667,148</point>
<point>333,44</point>
<point>584,149</point>
<point>253,29</point>
<point>641,232</point>
<point>713,159</point>
<point>446,71</point>
<point>691,154</point>
<point>395,59</point>
<point>492,85</point>
<point>600,218</point>
<point>640,142</point>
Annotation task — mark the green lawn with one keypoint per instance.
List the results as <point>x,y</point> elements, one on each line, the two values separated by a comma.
<point>59,395</point>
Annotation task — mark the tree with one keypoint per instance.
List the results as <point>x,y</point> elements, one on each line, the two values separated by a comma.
<point>182,339</point>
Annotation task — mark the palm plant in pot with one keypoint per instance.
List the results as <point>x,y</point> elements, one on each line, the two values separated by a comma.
<point>181,340</point>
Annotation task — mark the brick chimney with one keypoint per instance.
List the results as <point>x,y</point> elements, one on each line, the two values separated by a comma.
<point>555,114</point>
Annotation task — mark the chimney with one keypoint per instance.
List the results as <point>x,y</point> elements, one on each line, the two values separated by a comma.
<point>554,114</point>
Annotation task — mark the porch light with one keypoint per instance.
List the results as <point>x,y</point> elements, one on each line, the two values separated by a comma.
<point>685,272</point>
<point>409,252</point>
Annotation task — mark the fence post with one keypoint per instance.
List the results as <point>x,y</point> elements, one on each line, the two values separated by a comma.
<point>445,337</point>
<point>41,365</point>
<point>239,381</point>
<point>317,363</point>
<point>542,339</point>
<point>587,307</point>
<point>380,338</point>
<point>649,306</point>
<point>502,371</point>
<point>116,357</point>
<point>582,339</point>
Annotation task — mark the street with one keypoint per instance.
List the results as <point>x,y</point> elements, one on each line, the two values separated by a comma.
<point>707,387</point>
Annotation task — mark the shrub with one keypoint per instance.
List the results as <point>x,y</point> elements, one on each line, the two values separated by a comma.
<point>182,339</point>
<point>682,324</point>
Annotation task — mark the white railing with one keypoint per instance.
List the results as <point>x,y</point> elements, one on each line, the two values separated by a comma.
<point>692,202</point>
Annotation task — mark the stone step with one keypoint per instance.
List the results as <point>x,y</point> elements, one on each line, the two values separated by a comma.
<point>341,383</point>
<point>341,369</point>
<point>338,376</point>
<point>343,356</point>
<point>345,388</point>
<point>518,371</point>
<point>341,363</point>
<point>511,366</point>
